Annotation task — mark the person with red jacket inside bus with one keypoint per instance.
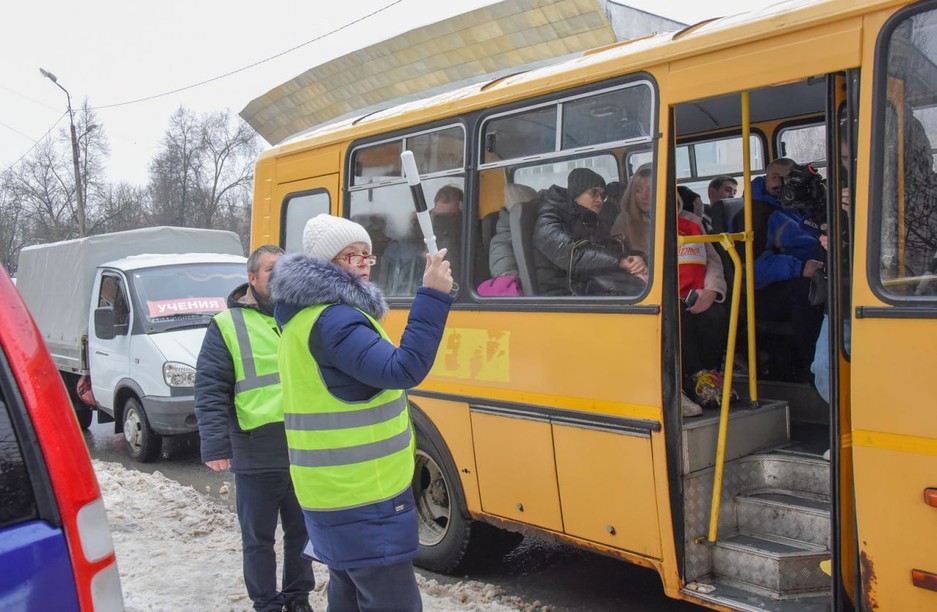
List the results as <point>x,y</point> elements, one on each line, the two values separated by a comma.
<point>703,326</point>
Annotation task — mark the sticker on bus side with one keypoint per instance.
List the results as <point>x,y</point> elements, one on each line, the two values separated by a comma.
<point>177,306</point>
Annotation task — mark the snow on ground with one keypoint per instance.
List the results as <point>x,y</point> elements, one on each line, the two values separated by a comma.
<point>178,549</point>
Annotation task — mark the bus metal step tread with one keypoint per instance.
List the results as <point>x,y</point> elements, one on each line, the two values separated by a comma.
<point>800,517</point>
<point>771,545</point>
<point>739,596</point>
<point>806,502</point>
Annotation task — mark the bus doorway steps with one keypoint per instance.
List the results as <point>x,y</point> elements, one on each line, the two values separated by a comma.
<point>774,530</point>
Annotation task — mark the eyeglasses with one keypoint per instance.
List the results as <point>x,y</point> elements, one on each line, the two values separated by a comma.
<point>598,194</point>
<point>356,259</point>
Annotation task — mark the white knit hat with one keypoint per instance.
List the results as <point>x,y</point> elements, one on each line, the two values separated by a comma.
<point>325,236</point>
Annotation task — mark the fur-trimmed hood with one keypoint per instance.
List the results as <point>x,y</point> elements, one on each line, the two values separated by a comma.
<point>298,281</point>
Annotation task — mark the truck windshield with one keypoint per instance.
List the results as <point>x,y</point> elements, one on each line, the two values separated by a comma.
<point>185,295</point>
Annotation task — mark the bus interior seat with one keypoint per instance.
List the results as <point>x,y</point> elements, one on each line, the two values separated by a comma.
<point>487,226</point>
<point>522,219</point>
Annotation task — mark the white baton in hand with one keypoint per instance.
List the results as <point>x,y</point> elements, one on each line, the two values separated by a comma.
<point>419,201</point>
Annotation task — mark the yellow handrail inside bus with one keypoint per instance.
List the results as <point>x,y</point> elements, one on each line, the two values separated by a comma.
<point>728,243</point>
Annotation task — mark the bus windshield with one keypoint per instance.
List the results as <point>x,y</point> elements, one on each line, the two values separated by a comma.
<point>185,295</point>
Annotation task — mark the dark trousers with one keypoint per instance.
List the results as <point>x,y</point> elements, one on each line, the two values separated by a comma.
<point>390,588</point>
<point>703,340</point>
<point>787,301</point>
<point>261,498</point>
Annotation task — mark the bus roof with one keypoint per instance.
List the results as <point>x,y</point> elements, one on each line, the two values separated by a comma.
<point>629,56</point>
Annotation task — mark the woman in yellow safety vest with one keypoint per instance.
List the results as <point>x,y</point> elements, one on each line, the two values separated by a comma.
<point>348,429</point>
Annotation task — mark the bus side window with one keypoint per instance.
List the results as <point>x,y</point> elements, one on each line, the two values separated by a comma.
<point>908,247</point>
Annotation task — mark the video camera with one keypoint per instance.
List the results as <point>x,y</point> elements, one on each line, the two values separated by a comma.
<point>804,190</point>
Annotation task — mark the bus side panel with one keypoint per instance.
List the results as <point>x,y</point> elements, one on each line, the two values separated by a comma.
<point>692,77</point>
<point>894,441</point>
<point>897,529</point>
<point>313,162</point>
<point>496,354</point>
<point>607,489</point>
<point>517,481</point>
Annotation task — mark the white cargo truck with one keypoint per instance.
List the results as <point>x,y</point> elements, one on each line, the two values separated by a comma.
<point>123,316</point>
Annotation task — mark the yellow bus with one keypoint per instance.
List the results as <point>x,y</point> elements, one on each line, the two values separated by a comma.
<point>559,416</point>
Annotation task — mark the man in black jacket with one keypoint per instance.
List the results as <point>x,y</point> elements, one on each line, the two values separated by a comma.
<point>238,403</point>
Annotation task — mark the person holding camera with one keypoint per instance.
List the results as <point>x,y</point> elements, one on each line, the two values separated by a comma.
<point>787,254</point>
<point>703,326</point>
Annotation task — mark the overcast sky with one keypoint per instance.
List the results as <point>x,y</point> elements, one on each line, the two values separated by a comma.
<point>115,53</point>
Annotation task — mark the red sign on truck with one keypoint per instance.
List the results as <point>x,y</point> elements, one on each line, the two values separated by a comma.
<point>177,306</point>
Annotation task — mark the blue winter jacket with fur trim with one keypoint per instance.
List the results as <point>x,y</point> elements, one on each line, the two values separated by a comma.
<point>356,363</point>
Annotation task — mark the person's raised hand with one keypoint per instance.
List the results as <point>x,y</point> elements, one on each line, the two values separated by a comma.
<point>438,274</point>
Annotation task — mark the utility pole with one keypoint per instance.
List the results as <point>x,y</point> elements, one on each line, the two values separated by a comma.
<point>79,192</point>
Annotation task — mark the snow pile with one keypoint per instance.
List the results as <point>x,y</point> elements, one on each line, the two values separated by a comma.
<point>177,549</point>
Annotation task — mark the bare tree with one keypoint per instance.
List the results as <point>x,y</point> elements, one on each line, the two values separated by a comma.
<point>203,174</point>
<point>231,148</point>
<point>174,172</point>
<point>11,230</point>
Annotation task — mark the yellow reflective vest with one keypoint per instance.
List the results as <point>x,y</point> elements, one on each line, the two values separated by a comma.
<point>253,340</point>
<point>342,454</point>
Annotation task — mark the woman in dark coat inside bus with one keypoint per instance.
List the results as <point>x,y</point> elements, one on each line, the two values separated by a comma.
<point>573,252</point>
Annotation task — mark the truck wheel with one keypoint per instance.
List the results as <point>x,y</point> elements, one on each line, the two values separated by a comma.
<point>142,444</point>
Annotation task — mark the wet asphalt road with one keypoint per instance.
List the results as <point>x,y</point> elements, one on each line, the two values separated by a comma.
<point>559,578</point>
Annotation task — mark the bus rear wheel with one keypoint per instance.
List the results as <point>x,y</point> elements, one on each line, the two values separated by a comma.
<point>448,540</point>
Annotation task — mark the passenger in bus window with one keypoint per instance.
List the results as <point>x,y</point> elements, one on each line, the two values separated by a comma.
<point>573,251</point>
<point>501,260</point>
<point>722,188</point>
<point>633,223</point>
<point>703,323</point>
<point>787,253</point>
<point>447,222</point>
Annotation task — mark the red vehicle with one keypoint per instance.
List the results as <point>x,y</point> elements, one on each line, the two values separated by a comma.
<point>56,551</point>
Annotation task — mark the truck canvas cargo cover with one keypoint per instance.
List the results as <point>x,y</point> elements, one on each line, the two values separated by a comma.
<point>56,279</point>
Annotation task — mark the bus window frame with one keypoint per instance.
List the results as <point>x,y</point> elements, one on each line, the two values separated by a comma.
<point>285,206</point>
<point>465,123</point>
<point>402,135</point>
<point>571,303</point>
<point>716,136</point>
<point>911,306</point>
<point>795,124</point>
<point>557,99</point>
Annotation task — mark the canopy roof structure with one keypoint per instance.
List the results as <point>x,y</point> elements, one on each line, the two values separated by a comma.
<point>486,43</point>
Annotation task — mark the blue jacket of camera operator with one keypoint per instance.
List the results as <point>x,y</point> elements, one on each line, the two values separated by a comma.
<point>784,239</point>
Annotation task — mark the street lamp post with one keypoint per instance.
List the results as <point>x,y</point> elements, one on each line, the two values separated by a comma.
<point>79,193</point>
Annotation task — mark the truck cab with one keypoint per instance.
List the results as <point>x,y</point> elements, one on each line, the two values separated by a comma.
<point>147,319</point>
<point>123,315</point>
